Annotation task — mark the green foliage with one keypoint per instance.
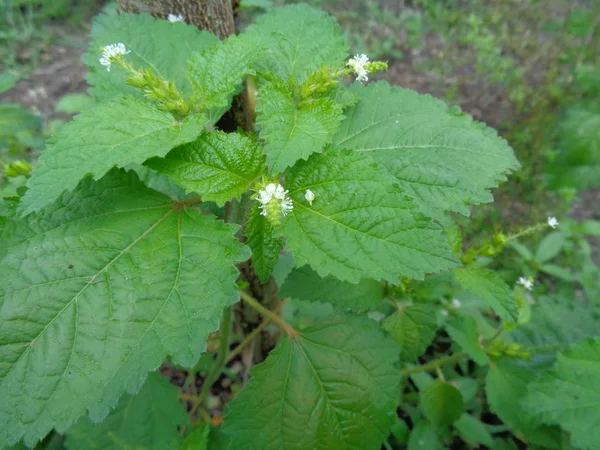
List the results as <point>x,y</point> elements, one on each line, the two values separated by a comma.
<point>102,286</point>
<point>441,403</point>
<point>413,328</point>
<point>264,243</point>
<point>463,331</point>
<point>473,431</point>
<point>148,420</point>
<point>127,131</point>
<point>333,386</point>
<point>569,395</point>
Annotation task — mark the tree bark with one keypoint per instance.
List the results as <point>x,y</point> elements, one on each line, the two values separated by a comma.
<point>215,16</point>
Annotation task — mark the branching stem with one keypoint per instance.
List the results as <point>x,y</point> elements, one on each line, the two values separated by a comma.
<point>292,334</point>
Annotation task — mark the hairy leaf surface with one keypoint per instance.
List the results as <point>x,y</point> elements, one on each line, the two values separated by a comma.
<point>158,44</point>
<point>127,131</point>
<point>218,166</point>
<point>300,39</point>
<point>148,420</point>
<point>443,159</point>
<point>304,283</point>
<point>570,395</point>
<point>413,328</point>
<point>334,386</point>
<point>100,288</point>
<point>490,289</point>
<point>290,132</point>
<point>361,225</point>
<point>264,243</point>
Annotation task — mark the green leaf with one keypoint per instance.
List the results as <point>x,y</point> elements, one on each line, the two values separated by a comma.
<point>424,437</point>
<point>197,440</point>
<point>100,288</point>
<point>443,159</point>
<point>118,133</point>
<point>218,166</point>
<point>490,289</point>
<point>305,284</point>
<point>7,81</point>
<point>473,431</point>
<point>217,72</point>
<point>463,330</point>
<point>441,403</point>
<point>265,244</point>
<point>558,272</point>
<point>570,395</point>
<point>290,132</point>
<point>147,420</point>
<point>550,246</point>
<point>158,44</point>
<point>413,328</point>
<point>300,39</point>
<point>505,387</point>
<point>73,103</point>
<point>360,224</point>
<point>333,386</point>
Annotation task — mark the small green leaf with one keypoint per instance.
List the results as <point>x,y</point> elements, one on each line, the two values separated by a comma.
<point>490,289</point>
<point>424,437</point>
<point>111,134</point>
<point>463,330</point>
<point>413,328</point>
<point>443,159</point>
<point>441,403</point>
<point>305,284</point>
<point>217,72</point>
<point>300,39</point>
<point>360,224</point>
<point>400,431</point>
<point>558,272</point>
<point>100,288</point>
<point>505,388</point>
<point>264,243</point>
<point>197,440</point>
<point>7,81</point>
<point>218,166</point>
<point>521,250</point>
<point>550,246</point>
<point>333,386</point>
<point>148,420</point>
<point>569,396</point>
<point>472,430</point>
<point>73,103</point>
<point>158,44</point>
<point>292,133</point>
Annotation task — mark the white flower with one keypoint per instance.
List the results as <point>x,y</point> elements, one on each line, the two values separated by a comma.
<point>527,283</point>
<point>456,303</point>
<point>175,18</point>
<point>274,194</point>
<point>357,64</point>
<point>111,52</point>
<point>309,196</point>
<point>552,222</point>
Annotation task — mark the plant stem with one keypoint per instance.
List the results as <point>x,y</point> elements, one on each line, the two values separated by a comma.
<point>220,361</point>
<point>434,365</point>
<point>292,334</point>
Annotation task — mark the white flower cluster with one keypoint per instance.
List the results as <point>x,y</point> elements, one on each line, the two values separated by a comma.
<point>357,64</point>
<point>552,222</point>
<point>527,283</point>
<point>175,18</point>
<point>112,51</point>
<point>274,192</point>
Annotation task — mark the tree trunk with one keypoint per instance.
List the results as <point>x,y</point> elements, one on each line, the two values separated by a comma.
<point>215,16</point>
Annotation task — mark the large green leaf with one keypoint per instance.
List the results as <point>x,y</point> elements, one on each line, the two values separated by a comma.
<point>505,388</point>
<point>217,72</point>
<point>413,327</point>
<point>490,289</point>
<point>441,403</point>
<point>300,39</point>
<point>334,386</point>
<point>147,420</point>
<point>98,289</point>
<point>570,395</point>
<point>443,159</point>
<point>305,284</point>
<point>218,166</point>
<point>291,132</point>
<point>361,225</point>
<point>119,133</point>
<point>264,243</point>
<point>463,331</point>
<point>158,44</point>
